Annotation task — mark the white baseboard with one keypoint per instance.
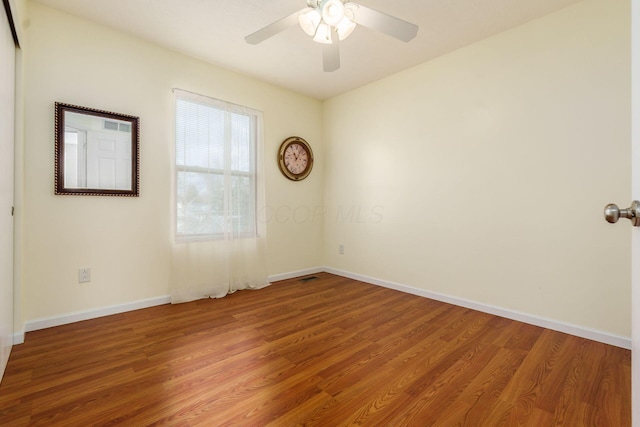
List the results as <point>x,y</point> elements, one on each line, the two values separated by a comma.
<point>567,328</point>
<point>78,316</point>
<point>18,338</point>
<point>63,319</point>
<point>592,334</point>
<point>294,274</point>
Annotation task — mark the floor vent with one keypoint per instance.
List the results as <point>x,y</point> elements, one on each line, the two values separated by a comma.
<point>308,279</point>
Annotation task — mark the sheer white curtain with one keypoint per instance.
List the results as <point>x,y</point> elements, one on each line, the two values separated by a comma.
<point>219,243</point>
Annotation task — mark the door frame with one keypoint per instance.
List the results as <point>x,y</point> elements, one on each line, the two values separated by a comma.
<point>7,184</point>
<point>635,233</point>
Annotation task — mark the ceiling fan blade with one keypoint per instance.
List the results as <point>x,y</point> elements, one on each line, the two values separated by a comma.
<point>273,29</point>
<point>331,54</point>
<point>390,25</point>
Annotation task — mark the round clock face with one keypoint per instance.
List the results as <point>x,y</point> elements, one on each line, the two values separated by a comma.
<point>295,158</point>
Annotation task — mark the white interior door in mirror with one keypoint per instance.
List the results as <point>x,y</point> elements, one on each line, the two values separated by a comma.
<point>109,160</point>
<point>97,152</point>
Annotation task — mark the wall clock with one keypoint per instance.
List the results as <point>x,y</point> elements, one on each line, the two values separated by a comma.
<point>295,158</point>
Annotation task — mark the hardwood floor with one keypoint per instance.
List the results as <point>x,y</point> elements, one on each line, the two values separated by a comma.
<point>326,352</point>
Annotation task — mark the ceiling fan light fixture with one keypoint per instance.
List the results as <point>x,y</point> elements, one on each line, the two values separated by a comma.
<point>309,20</point>
<point>345,28</point>
<point>332,12</point>
<point>323,34</point>
<point>350,10</point>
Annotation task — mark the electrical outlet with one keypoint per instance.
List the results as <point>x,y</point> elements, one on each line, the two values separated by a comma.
<point>84,275</point>
<point>341,249</point>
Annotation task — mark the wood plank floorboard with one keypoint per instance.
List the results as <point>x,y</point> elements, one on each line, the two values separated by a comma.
<point>327,352</point>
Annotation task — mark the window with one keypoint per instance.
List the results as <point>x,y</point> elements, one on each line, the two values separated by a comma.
<point>215,168</point>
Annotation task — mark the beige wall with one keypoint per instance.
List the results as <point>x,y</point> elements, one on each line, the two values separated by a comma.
<point>482,174</point>
<point>126,241</point>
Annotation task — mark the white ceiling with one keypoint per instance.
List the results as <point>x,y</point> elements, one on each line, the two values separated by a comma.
<point>214,31</point>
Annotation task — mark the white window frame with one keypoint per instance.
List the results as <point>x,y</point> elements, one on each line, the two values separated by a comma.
<point>256,126</point>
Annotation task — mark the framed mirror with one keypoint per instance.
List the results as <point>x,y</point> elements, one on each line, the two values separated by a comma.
<point>96,152</point>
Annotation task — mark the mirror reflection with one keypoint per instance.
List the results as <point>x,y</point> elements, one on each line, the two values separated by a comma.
<point>96,152</point>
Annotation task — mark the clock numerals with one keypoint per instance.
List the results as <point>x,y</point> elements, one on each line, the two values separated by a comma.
<point>295,158</point>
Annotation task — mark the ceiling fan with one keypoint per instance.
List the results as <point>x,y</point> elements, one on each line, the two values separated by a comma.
<point>330,21</point>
